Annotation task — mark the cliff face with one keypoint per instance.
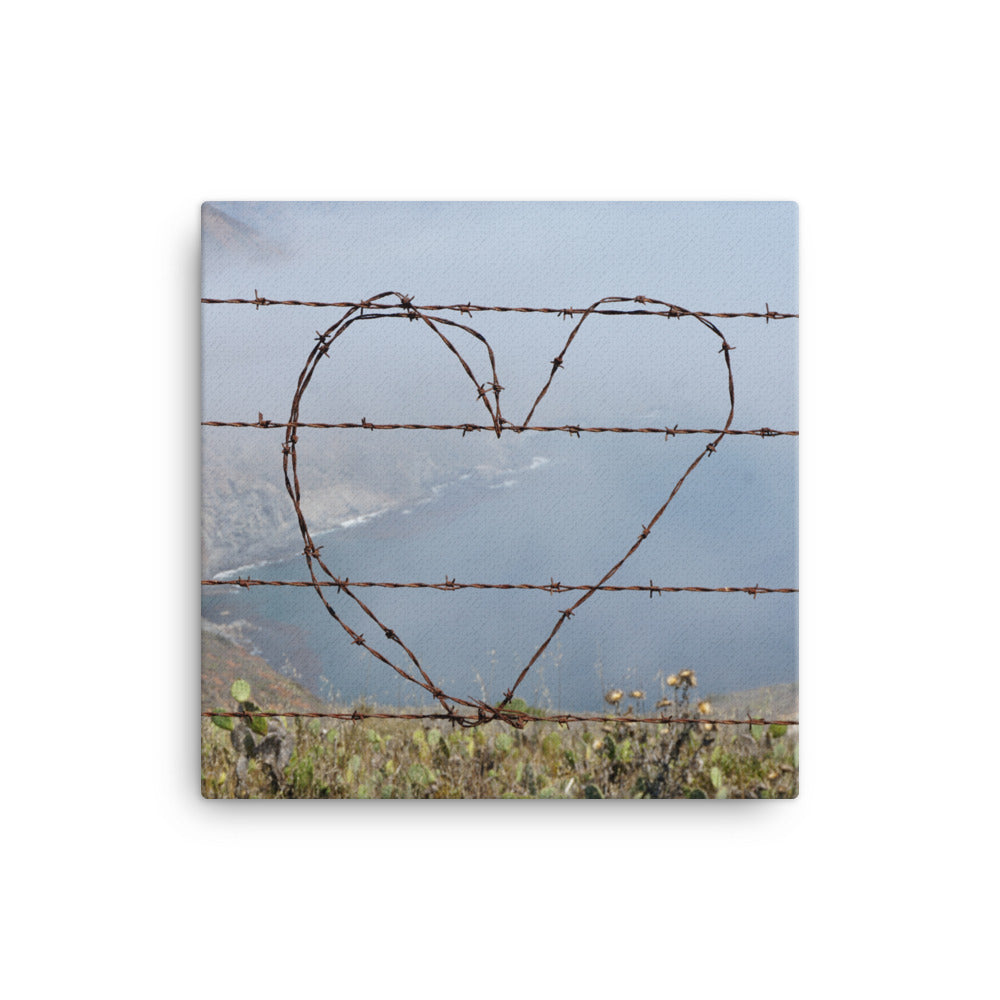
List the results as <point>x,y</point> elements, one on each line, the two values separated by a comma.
<point>243,522</point>
<point>247,515</point>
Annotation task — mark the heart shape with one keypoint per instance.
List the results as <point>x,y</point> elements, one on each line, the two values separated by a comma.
<point>488,392</point>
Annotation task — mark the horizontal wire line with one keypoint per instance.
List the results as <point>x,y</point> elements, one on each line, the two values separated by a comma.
<point>506,715</point>
<point>469,308</point>
<point>552,588</point>
<point>572,429</point>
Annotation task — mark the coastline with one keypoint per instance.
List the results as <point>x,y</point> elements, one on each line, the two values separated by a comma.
<point>330,517</point>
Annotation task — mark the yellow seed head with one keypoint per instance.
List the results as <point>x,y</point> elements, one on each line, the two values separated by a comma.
<point>704,707</point>
<point>638,695</point>
<point>673,680</point>
<point>613,697</point>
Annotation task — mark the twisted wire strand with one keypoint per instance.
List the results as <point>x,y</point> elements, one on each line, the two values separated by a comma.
<point>575,430</point>
<point>672,312</point>
<point>448,585</point>
<point>515,718</point>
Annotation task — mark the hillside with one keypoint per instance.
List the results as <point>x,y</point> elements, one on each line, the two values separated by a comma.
<point>779,701</point>
<point>222,662</point>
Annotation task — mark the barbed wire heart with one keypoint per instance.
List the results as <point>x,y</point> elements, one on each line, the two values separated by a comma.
<point>488,392</point>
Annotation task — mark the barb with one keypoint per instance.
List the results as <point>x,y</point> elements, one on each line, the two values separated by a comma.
<point>671,312</point>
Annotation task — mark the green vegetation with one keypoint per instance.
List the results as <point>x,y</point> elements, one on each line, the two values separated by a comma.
<point>379,758</point>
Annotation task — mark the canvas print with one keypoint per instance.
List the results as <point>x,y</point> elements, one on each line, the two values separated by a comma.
<point>499,500</point>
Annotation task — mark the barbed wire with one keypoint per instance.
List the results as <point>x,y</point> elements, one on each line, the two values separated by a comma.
<point>572,429</point>
<point>671,312</point>
<point>551,588</point>
<point>458,710</point>
<point>511,716</point>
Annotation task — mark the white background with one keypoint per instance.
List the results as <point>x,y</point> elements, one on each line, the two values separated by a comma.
<point>878,119</point>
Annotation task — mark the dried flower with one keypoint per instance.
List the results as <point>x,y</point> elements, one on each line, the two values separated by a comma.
<point>613,697</point>
<point>638,695</point>
<point>664,703</point>
<point>673,681</point>
<point>704,707</point>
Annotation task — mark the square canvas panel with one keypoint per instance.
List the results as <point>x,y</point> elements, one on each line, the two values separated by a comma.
<point>499,500</point>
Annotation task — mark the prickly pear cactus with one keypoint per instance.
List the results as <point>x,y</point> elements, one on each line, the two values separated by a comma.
<point>240,690</point>
<point>256,738</point>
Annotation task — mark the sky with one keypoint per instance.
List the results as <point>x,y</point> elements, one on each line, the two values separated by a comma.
<point>734,522</point>
<point>718,256</point>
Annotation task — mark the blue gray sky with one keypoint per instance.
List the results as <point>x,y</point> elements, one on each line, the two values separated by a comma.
<point>718,256</point>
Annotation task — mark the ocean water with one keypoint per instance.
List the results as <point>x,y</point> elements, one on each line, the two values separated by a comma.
<point>566,513</point>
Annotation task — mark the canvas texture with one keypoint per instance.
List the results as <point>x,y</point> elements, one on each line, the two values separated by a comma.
<point>499,500</point>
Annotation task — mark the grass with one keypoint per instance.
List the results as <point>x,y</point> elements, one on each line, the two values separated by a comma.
<point>389,759</point>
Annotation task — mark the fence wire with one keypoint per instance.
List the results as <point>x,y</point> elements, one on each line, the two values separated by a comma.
<point>552,587</point>
<point>670,312</point>
<point>574,430</point>
<point>519,720</point>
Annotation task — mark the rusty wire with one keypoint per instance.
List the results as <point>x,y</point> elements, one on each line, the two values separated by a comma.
<point>671,312</point>
<point>515,718</point>
<point>574,430</point>
<point>551,588</point>
<point>488,391</point>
